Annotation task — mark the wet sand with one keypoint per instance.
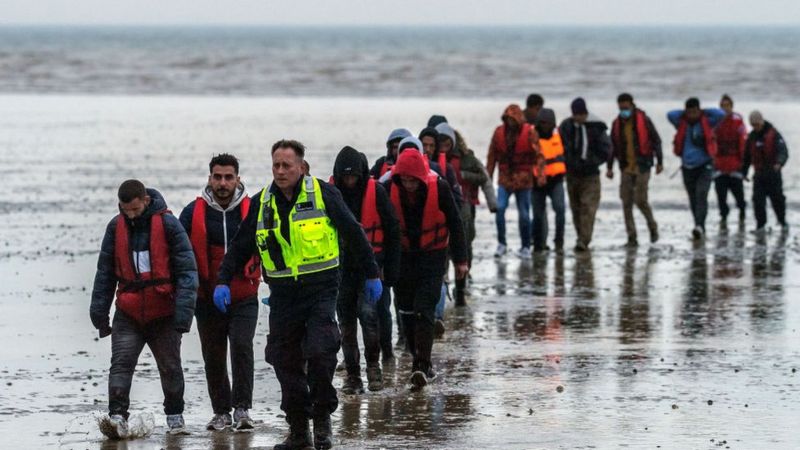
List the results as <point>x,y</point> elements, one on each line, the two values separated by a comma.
<point>674,345</point>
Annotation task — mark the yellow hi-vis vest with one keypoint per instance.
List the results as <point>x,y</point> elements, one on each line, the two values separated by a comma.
<point>314,243</point>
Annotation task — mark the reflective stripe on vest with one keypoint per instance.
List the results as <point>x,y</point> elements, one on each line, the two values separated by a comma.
<point>313,244</point>
<point>553,152</point>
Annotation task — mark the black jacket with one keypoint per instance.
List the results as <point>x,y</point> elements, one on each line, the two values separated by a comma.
<point>597,151</point>
<point>781,152</point>
<point>416,264</point>
<point>350,162</point>
<point>351,237</point>
<point>182,264</point>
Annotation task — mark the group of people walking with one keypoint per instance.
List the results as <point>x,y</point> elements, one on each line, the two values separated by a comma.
<point>339,248</point>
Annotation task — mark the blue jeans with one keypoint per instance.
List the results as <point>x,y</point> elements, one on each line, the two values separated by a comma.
<point>440,303</point>
<point>523,197</point>
<point>554,190</point>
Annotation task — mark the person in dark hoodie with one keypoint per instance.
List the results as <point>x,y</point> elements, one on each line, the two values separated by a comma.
<point>211,221</point>
<point>438,162</point>
<point>548,171</point>
<point>146,262</point>
<point>385,163</point>
<point>430,224</point>
<point>586,147</point>
<point>369,202</point>
<point>696,144</point>
<point>766,151</point>
<point>635,144</point>
<point>299,227</point>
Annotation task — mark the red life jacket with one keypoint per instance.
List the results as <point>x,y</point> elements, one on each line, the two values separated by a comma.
<point>641,139</point>
<point>144,296</point>
<point>730,144</point>
<point>442,161</point>
<point>209,258</point>
<point>370,219</point>
<point>763,156</point>
<point>435,234</point>
<point>708,136</point>
<point>384,168</point>
<point>523,157</point>
<point>469,191</point>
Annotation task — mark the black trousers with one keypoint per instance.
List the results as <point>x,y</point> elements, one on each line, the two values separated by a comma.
<point>352,307</point>
<point>302,344</point>
<point>128,339</point>
<point>768,185</point>
<point>237,326</point>
<point>416,301</point>
<point>725,183</point>
<point>697,182</point>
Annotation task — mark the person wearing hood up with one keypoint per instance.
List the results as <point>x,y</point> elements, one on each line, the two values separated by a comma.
<point>385,163</point>
<point>430,225</point>
<point>766,151</point>
<point>211,221</point>
<point>299,227</point>
<point>636,145</point>
<point>368,201</point>
<point>513,149</point>
<point>146,262</point>
<point>472,176</point>
<point>429,138</point>
<point>548,170</point>
<point>586,147</point>
<point>696,144</point>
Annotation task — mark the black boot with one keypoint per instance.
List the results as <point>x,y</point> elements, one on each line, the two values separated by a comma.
<point>460,292</point>
<point>299,436</point>
<point>323,434</point>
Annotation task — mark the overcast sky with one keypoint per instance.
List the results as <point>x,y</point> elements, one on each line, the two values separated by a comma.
<point>413,12</point>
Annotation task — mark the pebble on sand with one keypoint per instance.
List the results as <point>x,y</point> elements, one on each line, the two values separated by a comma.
<point>560,389</point>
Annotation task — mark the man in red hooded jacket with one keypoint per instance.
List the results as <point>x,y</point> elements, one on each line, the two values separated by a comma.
<point>731,136</point>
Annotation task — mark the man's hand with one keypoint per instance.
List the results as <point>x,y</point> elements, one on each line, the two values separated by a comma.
<point>373,288</point>
<point>461,271</point>
<point>659,168</point>
<point>222,297</point>
<point>610,174</point>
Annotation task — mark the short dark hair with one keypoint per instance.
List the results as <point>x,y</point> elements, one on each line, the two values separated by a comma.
<point>624,97</point>
<point>224,159</point>
<point>534,100</point>
<point>692,102</point>
<point>726,97</point>
<point>130,190</point>
<point>299,148</point>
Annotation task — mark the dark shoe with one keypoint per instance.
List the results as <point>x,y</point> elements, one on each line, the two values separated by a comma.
<point>323,434</point>
<point>219,422</point>
<point>374,379</point>
<point>741,215</point>
<point>559,245</point>
<point>299,437</point>
<point>460,297</point>
<point>242,420</point>
<point>418,380</point>
<point>698,233</point>
<point>653,236</point>
<point>580,247</point>
<point>633,243</point>
<point>438,329</point>
<point>353,385</point>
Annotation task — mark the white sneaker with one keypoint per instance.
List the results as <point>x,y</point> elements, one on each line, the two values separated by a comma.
<point>114,427</point>
<point>501,251</point>
<point>524,253</point>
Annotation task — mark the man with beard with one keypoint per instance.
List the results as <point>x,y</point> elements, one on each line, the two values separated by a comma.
<point>369,202</point>
<point>211,221</point>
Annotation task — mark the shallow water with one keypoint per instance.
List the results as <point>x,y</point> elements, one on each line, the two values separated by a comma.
<point>614,349</point>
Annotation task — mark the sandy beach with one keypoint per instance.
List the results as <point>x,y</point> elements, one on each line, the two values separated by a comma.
<point>676,345</point>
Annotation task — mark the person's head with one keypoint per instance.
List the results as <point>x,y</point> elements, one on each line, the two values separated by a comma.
<point>410,171</point>
<point>429,138</point>
<point>447,137</point>
<point>757,120</point>
<point>409,143</point>
<point>436,119</point>
<point>546,122</point>
<point>393,141</point>
<point>625,105</point>
<point>513,117</point>
<point>579,111</point>
<point>223,177</point>
<point>287,163</point>
<point>350,168</point>
<point>692,110</point>
<point>133,198</point>
<point>726,103</point>
<point>533,104</point>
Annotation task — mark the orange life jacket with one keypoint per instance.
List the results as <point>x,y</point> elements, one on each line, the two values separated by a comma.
<point>209,258</point>
<point>149,295</point>
<point>553,153</point>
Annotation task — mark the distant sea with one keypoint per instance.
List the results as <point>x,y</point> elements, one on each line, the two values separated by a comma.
<point>451,62</point>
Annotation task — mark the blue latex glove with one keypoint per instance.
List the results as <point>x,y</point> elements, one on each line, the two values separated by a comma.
<point>222,297</point>
<point>373,288</point>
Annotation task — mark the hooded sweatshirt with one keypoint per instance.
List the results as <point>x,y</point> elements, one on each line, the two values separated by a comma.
<point>516,167</point>
<point>350,161</point>
<point>396,134</point>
